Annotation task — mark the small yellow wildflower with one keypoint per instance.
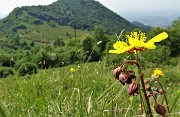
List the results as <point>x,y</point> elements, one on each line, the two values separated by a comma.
<point>71,76</point>
<point>136,42</point>
<point>157,73</point>
<point>131,98</point>
<point>72,70</point>
<point>140,107</point>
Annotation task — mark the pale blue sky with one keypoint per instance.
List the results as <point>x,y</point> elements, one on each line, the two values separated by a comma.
<point>118,6</point>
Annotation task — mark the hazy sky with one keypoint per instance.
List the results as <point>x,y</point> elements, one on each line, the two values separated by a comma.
<point>6,6</point>
<point>118,6</point>
<point>142,5</point>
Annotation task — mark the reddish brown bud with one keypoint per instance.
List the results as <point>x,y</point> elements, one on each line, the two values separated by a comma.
<point>116,72</point>
<point>160,109</point>
<point>131,75</point>
<point>123,78</point>
<point>133,88</point>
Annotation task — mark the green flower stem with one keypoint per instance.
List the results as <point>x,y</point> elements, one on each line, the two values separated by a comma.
<point>163,94</point>
<point>145,95</point>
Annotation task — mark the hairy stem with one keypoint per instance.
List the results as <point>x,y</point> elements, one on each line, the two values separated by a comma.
<point>136,56</point>
<point>131,61</point>
<point>145,95</point>
<point>141,101</point>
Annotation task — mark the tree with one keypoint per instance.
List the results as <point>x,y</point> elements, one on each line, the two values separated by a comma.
<point>99,35</point>
<point>173,40</point>
<point>174,36</point>
<point>87,44</point>
<point>59,42</point>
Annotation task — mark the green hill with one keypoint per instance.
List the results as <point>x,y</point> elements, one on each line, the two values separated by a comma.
<point>57,34</point>
<point>142,26</point>
<point>39,22</point>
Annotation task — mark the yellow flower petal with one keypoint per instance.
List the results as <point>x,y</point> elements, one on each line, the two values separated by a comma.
<point>120,44</point>
<point>158,38</point>
<point>72,70</point>
<point>118,51</point>
<point>150,46</point>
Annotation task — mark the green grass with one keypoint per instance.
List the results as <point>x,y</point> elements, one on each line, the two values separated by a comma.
<point>45,33</point>
<point>92,92</point>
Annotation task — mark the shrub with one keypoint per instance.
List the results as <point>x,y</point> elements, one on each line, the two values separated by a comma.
<point>58,42</point>
<point>38,22</point>
<point>45,60</point>
<point>20,26</point>
<point>160,55</point>
<point>27,68</point>
<point>4,72</point>
<point>6,60</point>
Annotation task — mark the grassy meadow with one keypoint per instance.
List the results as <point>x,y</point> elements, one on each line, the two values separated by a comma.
<point>90,91</point>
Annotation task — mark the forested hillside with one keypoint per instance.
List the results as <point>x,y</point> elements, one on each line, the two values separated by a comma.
<point>77,14</point>
<point>43,37</point>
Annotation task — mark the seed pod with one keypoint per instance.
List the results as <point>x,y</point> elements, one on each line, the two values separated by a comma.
<point>160,109</point>
<point>133,88</point>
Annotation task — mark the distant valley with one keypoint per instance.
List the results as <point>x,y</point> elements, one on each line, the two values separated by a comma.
<point>162,20</point>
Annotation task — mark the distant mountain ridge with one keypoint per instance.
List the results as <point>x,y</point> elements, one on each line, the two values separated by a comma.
<point>142,26</point>
<point>79,14</point>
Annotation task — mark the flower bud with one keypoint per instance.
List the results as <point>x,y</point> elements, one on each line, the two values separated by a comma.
<point>123,78</point>
<point>161,91</point>
<point>133,88</point>
<point>130,75</point>
<point>148,87</point>
<point>116,72</point>
<point>160,109</point>
<point>146,81</point>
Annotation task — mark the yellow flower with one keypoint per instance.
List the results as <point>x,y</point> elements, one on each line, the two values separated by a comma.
<point>140,107</point>
<point>72,70</point>
<point>136,42</point>
<point>71,76</point>
<point>131,98</point>
<point>157,73</point>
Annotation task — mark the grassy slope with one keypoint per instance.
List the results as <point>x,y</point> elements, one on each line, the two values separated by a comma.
<point>92,92</point>
<point>45,32</point>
